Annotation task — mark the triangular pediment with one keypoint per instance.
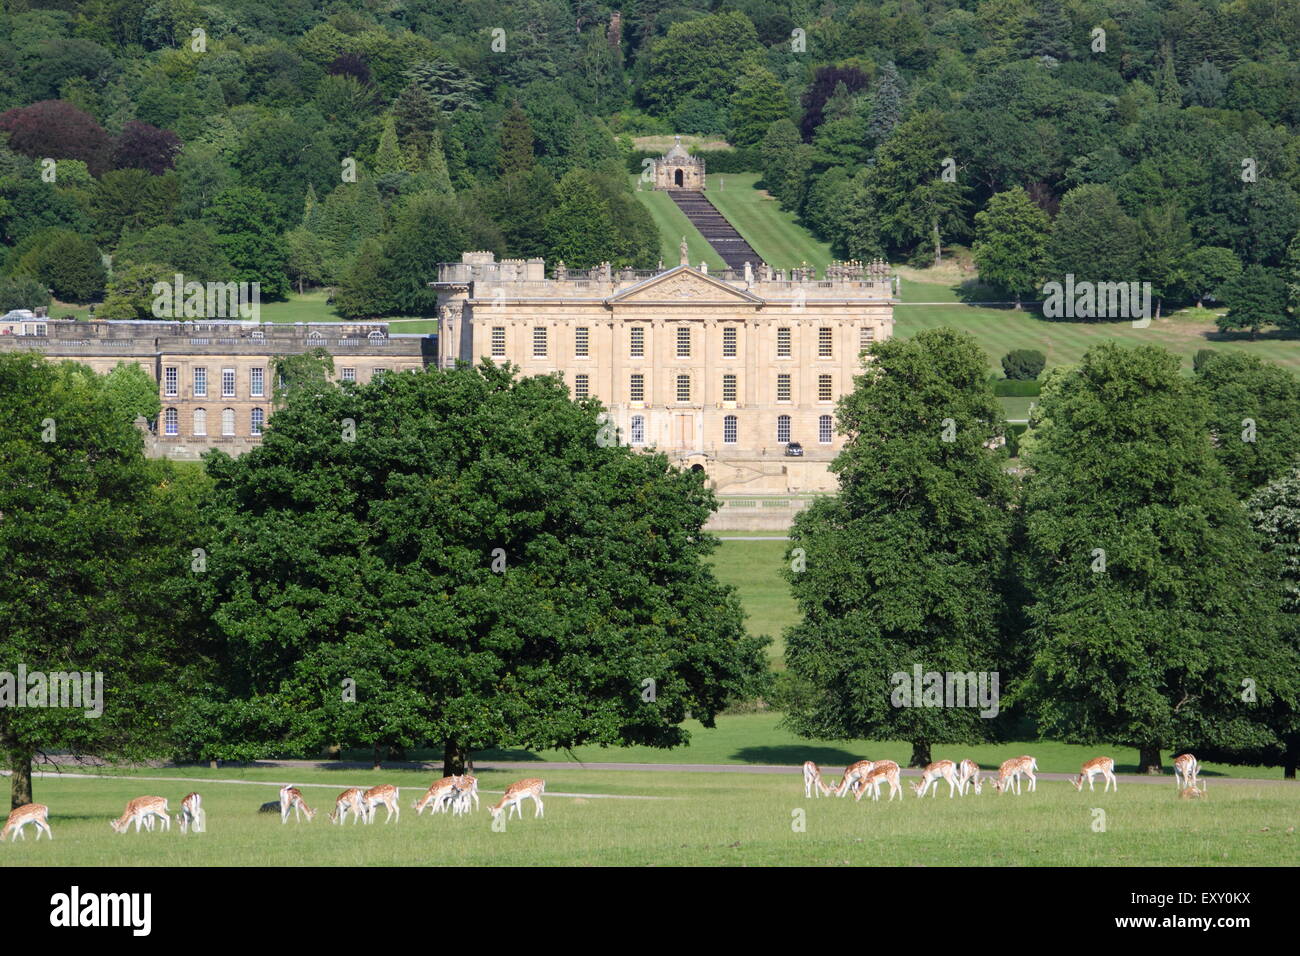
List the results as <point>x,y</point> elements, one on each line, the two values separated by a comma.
<point>684,285</point>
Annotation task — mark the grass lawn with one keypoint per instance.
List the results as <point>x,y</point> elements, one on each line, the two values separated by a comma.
<point>313,307</point>
<point>759,738</point>
<point>699,819</point>
<point>772,232</point>
<point>1001,330</point>
<point>672,225</point>
<point>754,568</point>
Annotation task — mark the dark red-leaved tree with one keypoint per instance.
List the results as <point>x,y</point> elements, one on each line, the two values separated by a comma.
<point>821,89</point>
<point>142,146</point>
<point>349,64</point>
<point>56,129</point>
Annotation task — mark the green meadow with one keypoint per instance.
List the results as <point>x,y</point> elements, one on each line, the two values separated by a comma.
<point>649,819</point>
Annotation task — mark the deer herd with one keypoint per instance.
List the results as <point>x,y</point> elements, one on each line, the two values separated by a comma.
<point>459,792</point>
<point>867,776</point>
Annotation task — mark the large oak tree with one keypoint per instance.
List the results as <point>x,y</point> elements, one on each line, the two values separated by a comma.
<point>466,558</point>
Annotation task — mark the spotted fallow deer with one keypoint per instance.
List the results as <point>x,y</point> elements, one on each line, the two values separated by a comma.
<point>884,771</point>
<point>143,810</point>
<point>349,801</point>
<point>386,794</point>
<point>1097,765</point>
<point>932,774</point>
<point>20,817</point>
<point>291,801</point>
<point>1185,770</point>
<point>519,791</point>
<point>191,816</point>
<point>813,785</point>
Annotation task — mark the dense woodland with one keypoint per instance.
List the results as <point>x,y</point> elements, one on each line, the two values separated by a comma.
<point>1118,141</point>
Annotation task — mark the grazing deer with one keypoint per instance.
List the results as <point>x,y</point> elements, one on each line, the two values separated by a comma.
<point>1097,765</point>
<point>37,813</point>
<point>968,776</point>
<point>466,792</point>
<point>191,815</point>
<point>516,794</point>
<point>291,799</point>
<point>440,794</point>
<point>352,800</point>
<point>143,810</point>
<point>939,770</point>
<point>884,771</point>
<point>1185,770</point>
<point>386,794</point>
<point>1190,793</point>
<point>853,775</point>
<point>812,781</point>
<point>1010,771</point>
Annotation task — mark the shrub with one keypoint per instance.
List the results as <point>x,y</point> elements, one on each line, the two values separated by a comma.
<point>1202,356</point>
<point>1023,364</point>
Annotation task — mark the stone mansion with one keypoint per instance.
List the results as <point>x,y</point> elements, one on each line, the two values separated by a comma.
<point>214,377</point>
<point>722,372</point>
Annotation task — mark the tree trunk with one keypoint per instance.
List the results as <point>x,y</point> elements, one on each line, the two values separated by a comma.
<point>379,758</point>
<point>1017,301</point>
<point>19,759</point>
<point>920,753</point>
<point>938,247</point>
<point>1160,305</point>
<point>1292,756</point>
<point>454,758</point>
<point>1149,758</point>
<point>20,787</point>
<point>214,764</point>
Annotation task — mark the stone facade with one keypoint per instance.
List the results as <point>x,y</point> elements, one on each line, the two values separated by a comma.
<point>214,378</point>
<point>678,169</point>
<point>721,372</point>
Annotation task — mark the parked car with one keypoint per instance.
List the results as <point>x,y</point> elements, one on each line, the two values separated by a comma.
<point>793,449</point>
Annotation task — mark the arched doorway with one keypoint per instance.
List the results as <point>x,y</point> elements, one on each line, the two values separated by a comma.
<point>677,178</point>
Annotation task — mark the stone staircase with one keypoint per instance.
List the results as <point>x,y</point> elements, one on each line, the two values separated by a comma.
<point>713,225</point>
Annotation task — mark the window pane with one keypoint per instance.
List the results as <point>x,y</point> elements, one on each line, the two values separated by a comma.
<point>783,428</point>
<point>729,430</point>
<point>824,430</point>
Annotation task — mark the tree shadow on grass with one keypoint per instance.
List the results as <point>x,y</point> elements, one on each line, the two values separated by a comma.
<point>796,754</point>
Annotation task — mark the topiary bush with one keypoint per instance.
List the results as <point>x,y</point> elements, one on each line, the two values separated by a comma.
<point>1023,364</point>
